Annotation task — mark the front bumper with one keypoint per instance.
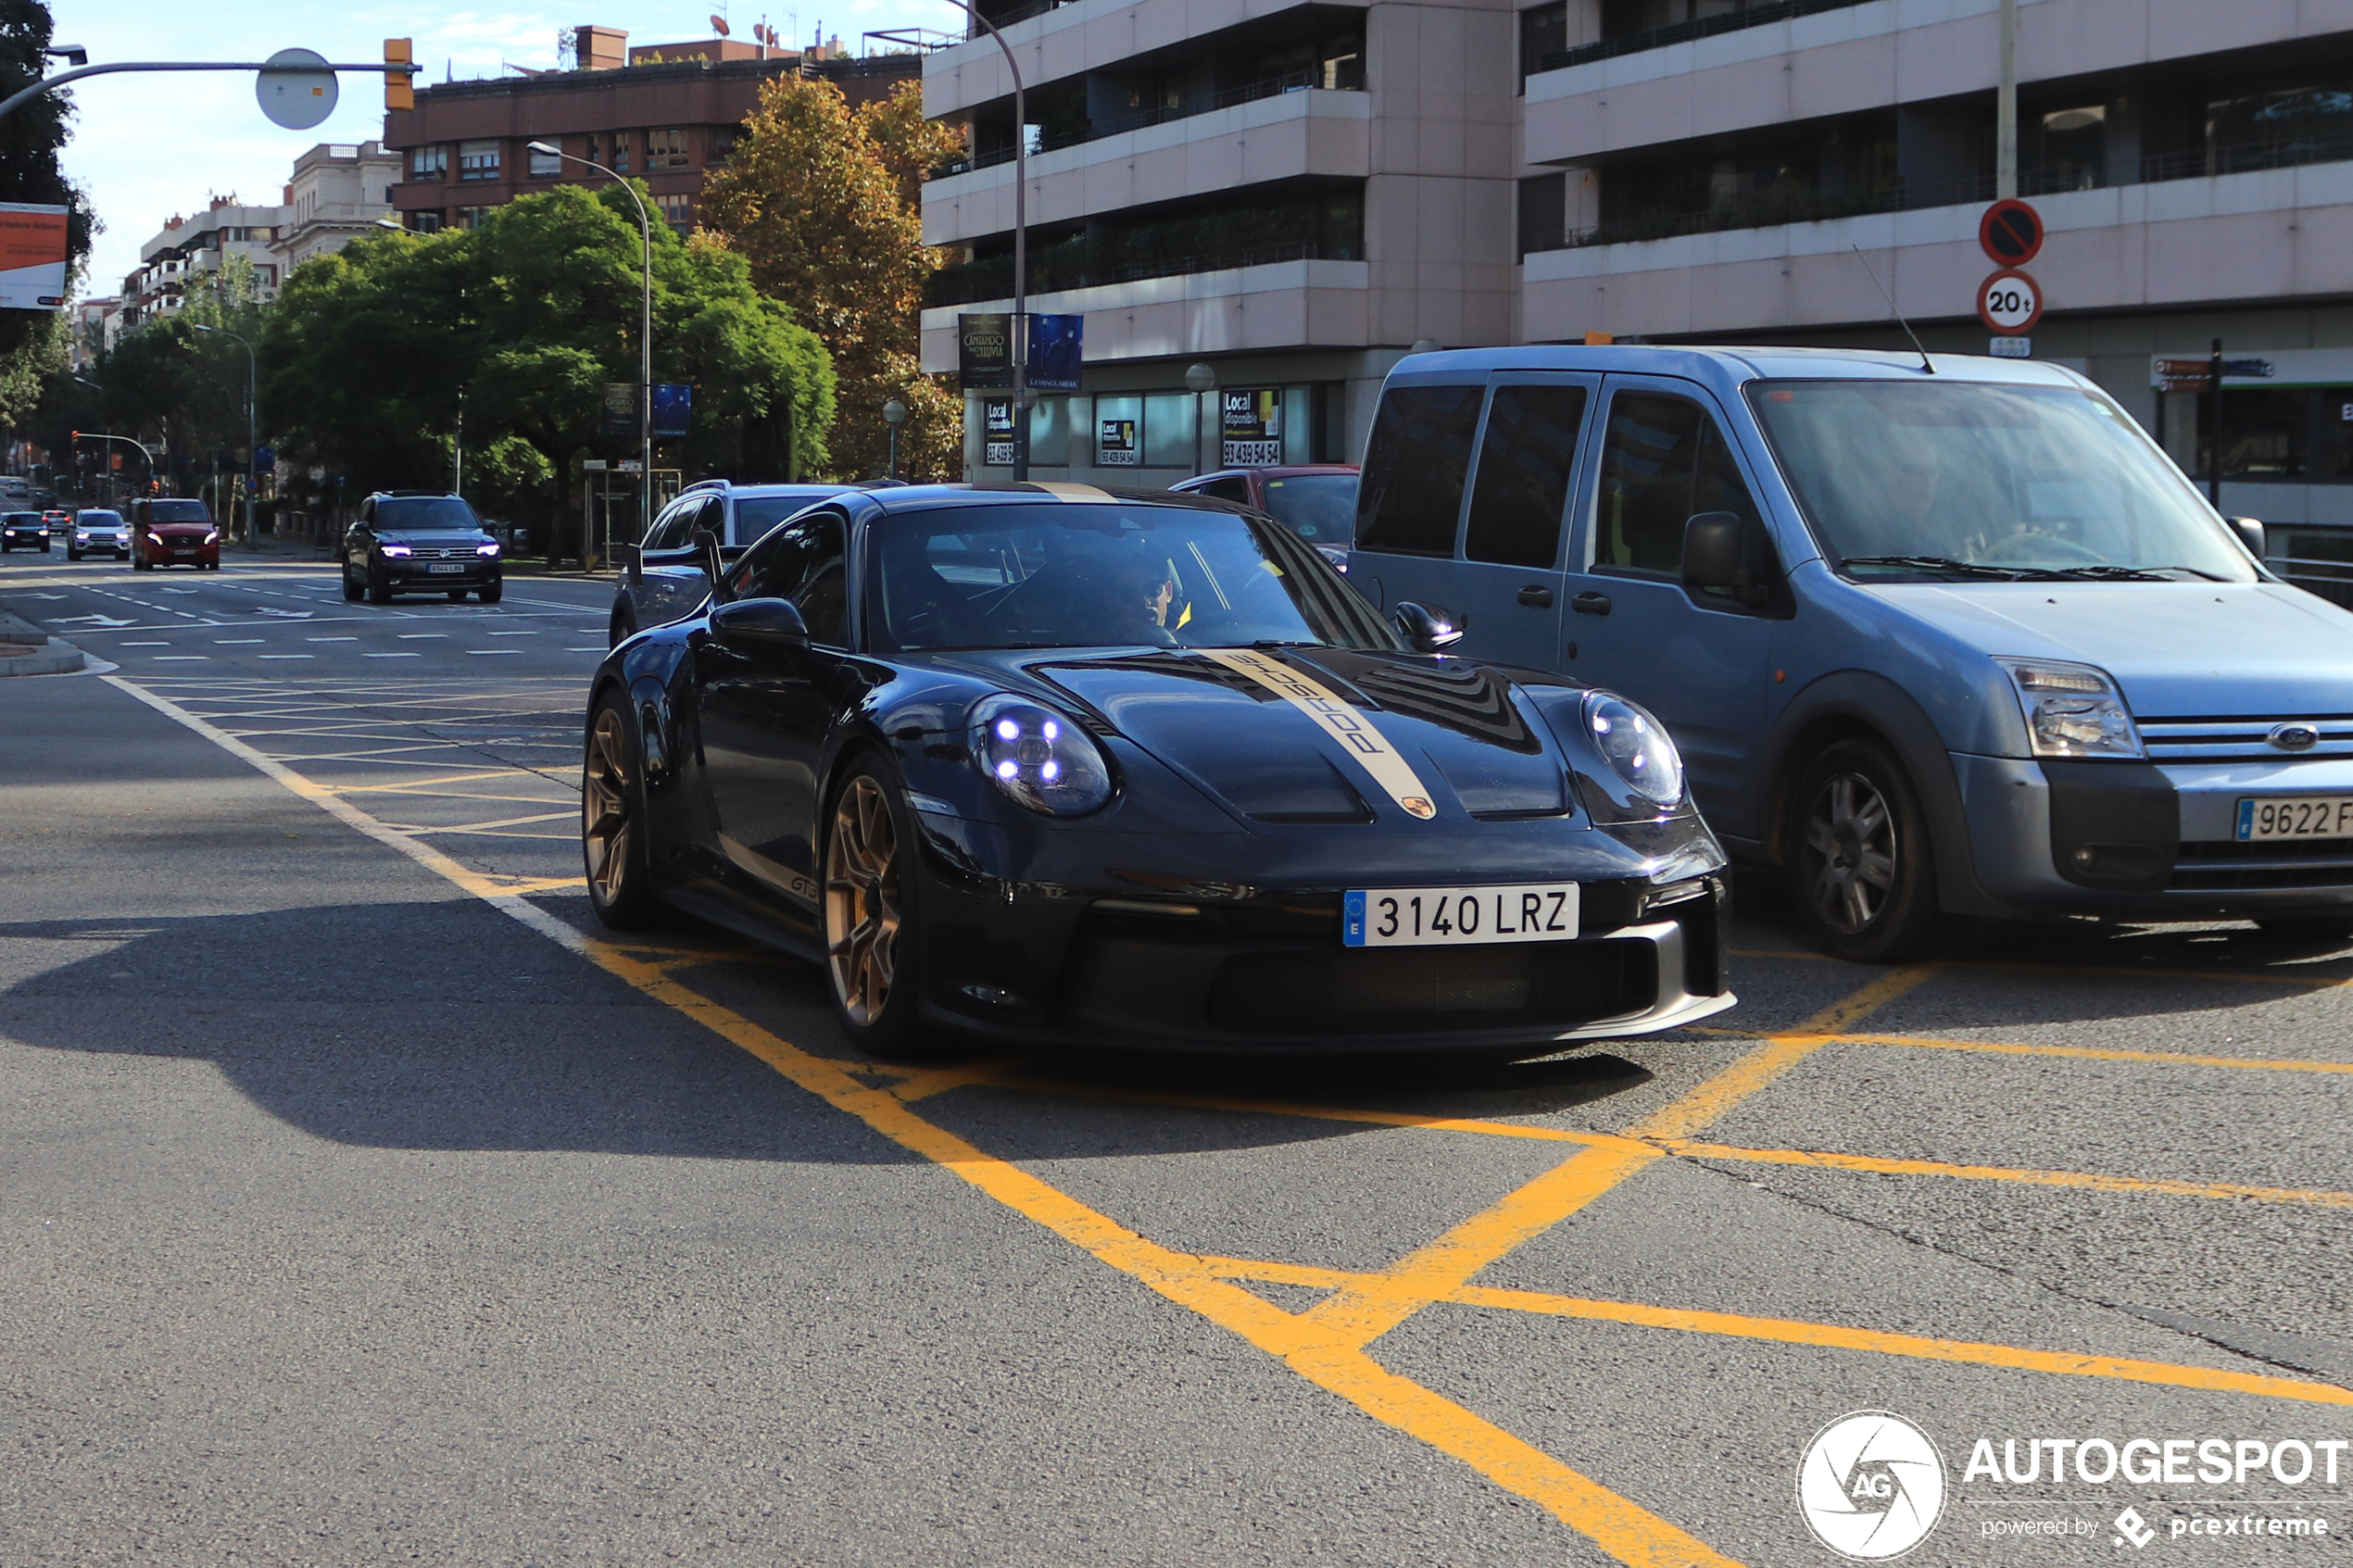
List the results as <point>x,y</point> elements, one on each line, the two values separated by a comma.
<point>478,573</point>
<point>1186,961</point>
<point>2150,841</point>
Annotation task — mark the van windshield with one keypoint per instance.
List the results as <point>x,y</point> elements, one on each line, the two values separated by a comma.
<point>1968,480</point>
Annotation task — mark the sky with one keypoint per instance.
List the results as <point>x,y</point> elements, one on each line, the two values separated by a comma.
<point>147,146</point>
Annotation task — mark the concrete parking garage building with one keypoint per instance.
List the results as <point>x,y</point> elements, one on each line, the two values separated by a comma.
<point>1295,194</point>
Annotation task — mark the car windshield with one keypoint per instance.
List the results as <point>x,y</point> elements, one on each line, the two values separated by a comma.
<point>425,512</point>
<point>1969,479</point>
<point>177,512</point>
<point>99,519</point>
<point>1109,576</point>
<point>1320,508</point>
<point>21,519</point>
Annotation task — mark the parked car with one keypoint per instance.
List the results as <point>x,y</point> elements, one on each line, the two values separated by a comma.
<point>1139,770</point>
<point>1316,501</point>
<point>173,531</point>
<point>1963,642</point>
<point>419,542</point>
<point>666,580</point>
<point>98,531</point>
<point>23,531</point>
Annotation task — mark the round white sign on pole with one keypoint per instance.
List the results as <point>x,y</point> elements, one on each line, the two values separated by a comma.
<point>295,89</point>
<point>2009,302</point>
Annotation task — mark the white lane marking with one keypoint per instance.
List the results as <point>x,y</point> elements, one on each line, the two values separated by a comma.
<point>513,905</point>
<point>289,656</point>
<point>593,648</point>
<point>422,636</point>
<point>143,645</point>
<point>330,639</point>
<point>1352,729</point>
<point>513,633</point>
<point>235,642</point>
<point>485,653</point>
<point>182,658</point>
<point>391,656</point>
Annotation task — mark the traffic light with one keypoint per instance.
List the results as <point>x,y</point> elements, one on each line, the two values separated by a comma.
<point>398,94</point>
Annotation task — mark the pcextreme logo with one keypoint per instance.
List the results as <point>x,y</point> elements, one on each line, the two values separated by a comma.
<point>1870,1485</point>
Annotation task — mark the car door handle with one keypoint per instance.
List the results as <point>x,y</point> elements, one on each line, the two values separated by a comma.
<point>1536,595</point>
<point>1590,603</point>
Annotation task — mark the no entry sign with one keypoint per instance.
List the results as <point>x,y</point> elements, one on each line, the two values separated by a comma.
<point>2010,232</point>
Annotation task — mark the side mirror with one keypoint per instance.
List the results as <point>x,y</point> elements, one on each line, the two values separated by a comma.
<point>2251,533</point>
<point>1427,627</point>
<point>632,561</point>
<point>1729,556</point>
<point>773,622</point>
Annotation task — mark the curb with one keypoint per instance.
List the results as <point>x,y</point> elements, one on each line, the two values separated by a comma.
<point>25,649</point>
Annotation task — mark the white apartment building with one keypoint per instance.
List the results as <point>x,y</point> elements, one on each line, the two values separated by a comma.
<point>339,191</point>
<point>186,249</point>
<point>1294,193</point>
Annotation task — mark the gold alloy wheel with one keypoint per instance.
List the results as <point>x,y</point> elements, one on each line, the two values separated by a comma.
<point>1852,832</point>
<point>604,807</point>
<point>862,900</point>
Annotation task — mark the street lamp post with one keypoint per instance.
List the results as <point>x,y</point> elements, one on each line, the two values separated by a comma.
<point>1200,379</point>
<point>645,351</point>
<point>253,451</point>
<point>894,415</point>
<point>1020,247</point>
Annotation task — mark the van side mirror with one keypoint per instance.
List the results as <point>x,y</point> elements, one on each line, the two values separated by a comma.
<point>2251,533</point>
<point>1426,628</point>
<point>1727,556</point>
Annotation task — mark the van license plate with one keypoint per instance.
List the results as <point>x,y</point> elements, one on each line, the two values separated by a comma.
<point>1437,916</point>
<point>2302,816</point>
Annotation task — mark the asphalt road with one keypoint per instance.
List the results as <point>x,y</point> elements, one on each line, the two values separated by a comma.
<point>359,1201</point>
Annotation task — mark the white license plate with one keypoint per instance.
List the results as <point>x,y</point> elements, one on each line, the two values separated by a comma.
<point>2299,816</point>
<point>446,565</point>
<point>1433,917</point>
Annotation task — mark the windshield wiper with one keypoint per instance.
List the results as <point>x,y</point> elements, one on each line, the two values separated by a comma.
<point>1947,563</point>
<point>2119,574</point>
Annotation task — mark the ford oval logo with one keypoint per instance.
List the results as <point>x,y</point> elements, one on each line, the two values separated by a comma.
<point>2294,737</point>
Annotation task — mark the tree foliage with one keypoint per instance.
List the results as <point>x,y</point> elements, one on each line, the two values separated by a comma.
<point>375,359</point>
<point>33,343</point>
<point>826,204</point>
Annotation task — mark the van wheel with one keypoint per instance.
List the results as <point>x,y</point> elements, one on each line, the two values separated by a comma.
<point>1866,875</point>
<point>491,595</point>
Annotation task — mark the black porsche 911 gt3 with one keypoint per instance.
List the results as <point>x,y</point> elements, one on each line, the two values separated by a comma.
<point>1051,764</point>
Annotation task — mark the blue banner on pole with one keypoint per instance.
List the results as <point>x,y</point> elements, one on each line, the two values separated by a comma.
<point>1055,350</point>
<point>673,408</point>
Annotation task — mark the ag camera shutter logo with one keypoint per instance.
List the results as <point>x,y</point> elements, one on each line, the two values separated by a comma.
<point>1871,1486</point>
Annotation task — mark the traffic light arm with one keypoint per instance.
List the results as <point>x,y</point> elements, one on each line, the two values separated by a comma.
<point>136,447</point>
<point>50,83</point>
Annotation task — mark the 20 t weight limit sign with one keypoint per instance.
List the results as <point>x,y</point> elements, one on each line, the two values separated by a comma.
<point>2009,302</point>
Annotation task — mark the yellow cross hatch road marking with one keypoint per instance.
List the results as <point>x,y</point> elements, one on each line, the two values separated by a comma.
<point>2102,1053</point>
<point>2320,1198</point>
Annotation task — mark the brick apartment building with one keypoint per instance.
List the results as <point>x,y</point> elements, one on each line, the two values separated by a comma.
<point>664,113</point>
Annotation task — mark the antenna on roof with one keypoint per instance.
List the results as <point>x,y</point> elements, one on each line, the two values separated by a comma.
<point>1926,363</point>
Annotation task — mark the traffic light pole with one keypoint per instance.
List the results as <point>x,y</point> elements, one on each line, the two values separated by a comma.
<point>51,83</point>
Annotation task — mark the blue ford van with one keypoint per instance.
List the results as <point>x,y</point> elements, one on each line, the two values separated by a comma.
<point>1957,639</point>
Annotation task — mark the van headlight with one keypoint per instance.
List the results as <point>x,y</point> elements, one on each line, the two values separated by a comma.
<point>1037,758</point>
<point>1635,746</point>
<point>2073,709</point>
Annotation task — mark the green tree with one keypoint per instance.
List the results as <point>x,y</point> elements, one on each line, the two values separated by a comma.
<point>826,205</point>
<point>374,356</point>
<point>33,343</point>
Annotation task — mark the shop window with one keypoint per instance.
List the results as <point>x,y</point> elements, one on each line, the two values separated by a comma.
<point>1171,421</point>
<point>1119,433</point>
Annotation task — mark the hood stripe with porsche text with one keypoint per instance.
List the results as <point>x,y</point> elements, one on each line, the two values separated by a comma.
<point>1337,719</point>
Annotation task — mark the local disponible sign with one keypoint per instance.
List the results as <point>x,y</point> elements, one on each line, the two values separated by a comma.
<point>1251,427</point>
<point>997,425</point>
<point>33,257</point>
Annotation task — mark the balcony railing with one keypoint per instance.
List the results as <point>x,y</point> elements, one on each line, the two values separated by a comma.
<point>1772,209</point>
<point>1085,131</point>
<point>1077,265</point>
<point>1707,27</point>
<point>2333,580</point>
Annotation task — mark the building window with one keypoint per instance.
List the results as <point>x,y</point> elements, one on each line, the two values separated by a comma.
<point>423,222</point>
<point>471,217</point>
<point>545,166</point>
<point>477,160</point>
<point>428,163</point>
<point>1543,213</point>
<point>1543,34</point>
<point>621,152</point>
<point>722,142</point>
<point>678,212</point>
<point>666,149</point>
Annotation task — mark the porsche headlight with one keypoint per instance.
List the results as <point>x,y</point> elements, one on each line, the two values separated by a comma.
<point>1039,758</point>
<point>1636,747</point>
<point>2073,709</point>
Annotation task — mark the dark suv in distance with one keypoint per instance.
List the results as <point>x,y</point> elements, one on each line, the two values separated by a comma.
<point>419,542</point>
<point>23,531</point>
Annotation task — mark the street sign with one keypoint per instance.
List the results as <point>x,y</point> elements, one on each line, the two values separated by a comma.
<point>296,89</point>
<point>2009,302</point>
<point>2010,232</point>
